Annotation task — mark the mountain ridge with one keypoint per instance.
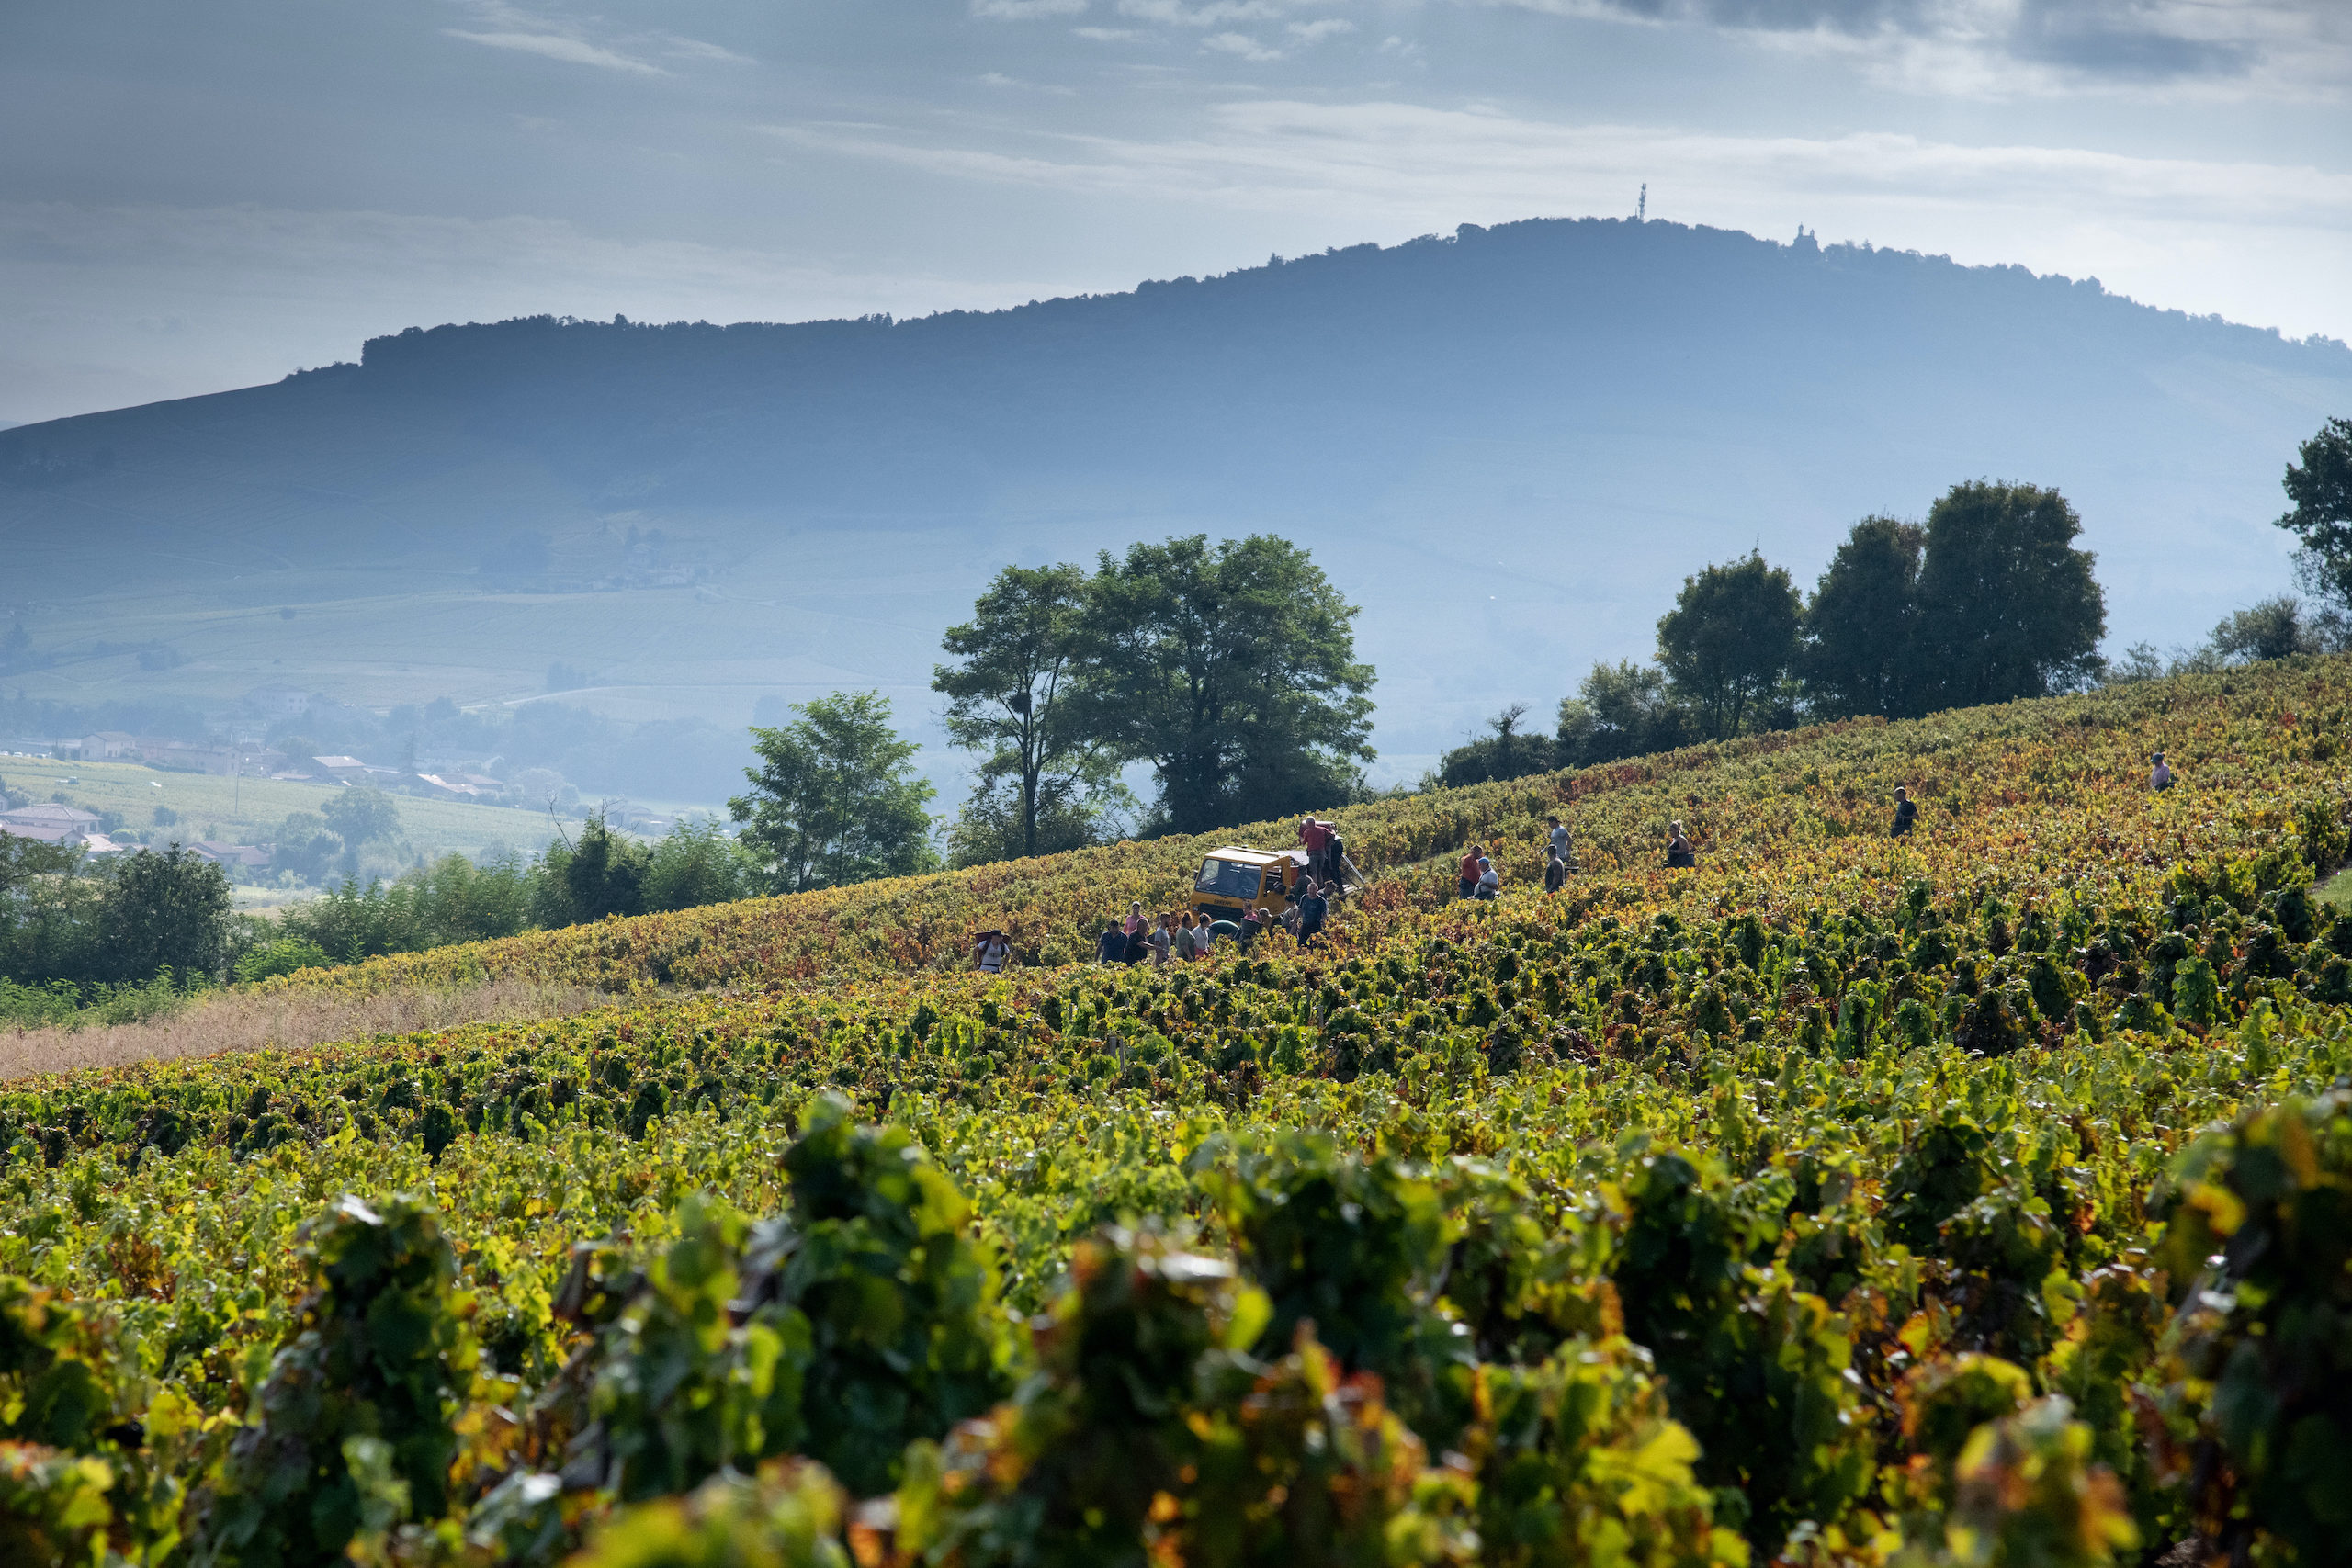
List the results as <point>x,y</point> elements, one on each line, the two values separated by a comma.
<point>1508,444</point>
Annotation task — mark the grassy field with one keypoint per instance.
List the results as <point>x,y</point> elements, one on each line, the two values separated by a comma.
<point>249,811</point>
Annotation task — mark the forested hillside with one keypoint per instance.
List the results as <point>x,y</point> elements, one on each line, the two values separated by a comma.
<point>1489,441</point>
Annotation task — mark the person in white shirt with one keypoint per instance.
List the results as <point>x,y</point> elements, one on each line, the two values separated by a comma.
<point>1490,886</point>
<point>990,951</point>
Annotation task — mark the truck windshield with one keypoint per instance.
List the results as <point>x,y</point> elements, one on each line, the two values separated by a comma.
<point>1227,878</point>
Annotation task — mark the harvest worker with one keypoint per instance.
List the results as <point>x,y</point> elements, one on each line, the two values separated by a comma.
<point>1679,853</point>
<point>1188,941</point>
<point>2159,776</point>
<point>1316,836</point>
<point>1113,947</point>
<point>1161,939</point>
<point>1470,865</point>
<point>1490,882</point>
<point>1906,811</point>
<point>1312,908</point>
<point>1135,922</point>
<point>1223,931</point>
<point>1555,872</point>
<point>990,949</point>
<point>1562,844</point>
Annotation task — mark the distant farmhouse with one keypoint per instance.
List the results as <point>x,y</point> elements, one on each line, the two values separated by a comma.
<point>49,824</point>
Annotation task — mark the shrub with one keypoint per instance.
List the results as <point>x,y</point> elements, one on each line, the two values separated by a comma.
<point>2261,1353</point>
<point>378,1354</point>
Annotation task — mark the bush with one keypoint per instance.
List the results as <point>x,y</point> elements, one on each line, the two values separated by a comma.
<point>2262,1351</point>
<point>284,956</point>
<point>788,1515</point>
<point>378,1355</point>
<point>1577,1461</point>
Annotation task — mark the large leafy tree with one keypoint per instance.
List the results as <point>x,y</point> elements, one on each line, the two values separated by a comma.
<point>164,909</point>
<point>835,799</point>
<point>1862,629</point>
<point>1231,670</point>
<point>1014,697</point>
<point>1729,641</point>
<point>2008,606</point>
<point>2320,487</point>
<point>1620,710</point>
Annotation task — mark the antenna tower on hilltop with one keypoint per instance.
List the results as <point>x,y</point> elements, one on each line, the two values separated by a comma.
<point>1642,208</point>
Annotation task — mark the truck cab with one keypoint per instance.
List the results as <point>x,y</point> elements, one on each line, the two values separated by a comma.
<point>1234,880</point>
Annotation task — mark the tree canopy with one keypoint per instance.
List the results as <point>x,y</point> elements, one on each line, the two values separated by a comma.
<point>2008,606</point>
<point>1231,670</point>
<point>1863,623</point>
<point>1016,698</point>
<point>1729,641</point>
<point>2320,487</point>
<point>835,799</point>
<point>1504,751</point>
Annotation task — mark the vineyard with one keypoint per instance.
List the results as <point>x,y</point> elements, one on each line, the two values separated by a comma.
<point>1979,1198</point>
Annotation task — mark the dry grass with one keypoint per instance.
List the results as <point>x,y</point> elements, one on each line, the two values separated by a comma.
<point>245,1020</point>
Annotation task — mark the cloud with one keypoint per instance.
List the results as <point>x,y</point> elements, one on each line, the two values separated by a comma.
<point>1242,45</point>
<point>1107,34</point>
<point>2267,242</point>
<point>1315,32</point>
<point>2006,47</point>
<point>1175,13</point>
<point>557,45</point>
<point>998,79</point>
<point>1026,10</point>
<point>695,48</point>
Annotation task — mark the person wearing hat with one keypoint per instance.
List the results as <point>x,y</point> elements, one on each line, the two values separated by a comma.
<point>1491,882</point>
<point>2160,772</point>
<point>989,950</point>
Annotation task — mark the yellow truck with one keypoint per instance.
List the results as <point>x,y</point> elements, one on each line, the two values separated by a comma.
<point>1234,880</point>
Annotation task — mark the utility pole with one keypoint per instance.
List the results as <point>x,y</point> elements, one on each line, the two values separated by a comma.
<point>1642,208</point>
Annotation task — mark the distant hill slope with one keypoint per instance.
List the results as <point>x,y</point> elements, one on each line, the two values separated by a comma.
<point>1509,447</point>
<point>2044,800</point>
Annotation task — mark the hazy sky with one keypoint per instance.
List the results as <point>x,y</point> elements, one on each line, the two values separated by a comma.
<point>200,195</point>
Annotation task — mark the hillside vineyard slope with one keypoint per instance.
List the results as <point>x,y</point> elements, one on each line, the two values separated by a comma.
<point>1506,446</point>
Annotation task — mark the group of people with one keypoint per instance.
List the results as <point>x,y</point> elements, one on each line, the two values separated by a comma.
<point>1479,879</point>
<point>1180,938</point>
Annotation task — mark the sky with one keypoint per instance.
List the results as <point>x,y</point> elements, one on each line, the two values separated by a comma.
<point>193,197</point>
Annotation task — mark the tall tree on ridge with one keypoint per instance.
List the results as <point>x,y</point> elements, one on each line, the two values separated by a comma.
<point>2008,606</point>
<point>2322,491</point>
<point>1232,671</point>
<point>1013,696</point>
<point>1861,628</point>
<point>835,800</point>
<point>1729,641</point>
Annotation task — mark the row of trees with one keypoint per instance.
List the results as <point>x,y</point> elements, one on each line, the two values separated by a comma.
<point>97,923</point>
<point>1989,599</point>
<point>1229,670</point>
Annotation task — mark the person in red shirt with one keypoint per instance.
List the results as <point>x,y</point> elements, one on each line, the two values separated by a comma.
<point>1470,872</point>
<point>1316,836</point>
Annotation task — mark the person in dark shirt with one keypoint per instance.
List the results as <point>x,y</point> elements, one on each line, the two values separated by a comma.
<point>1112,946</point>
<point>1312,908</point>
<point>1906,811</point>
<point>1680,855</point>
<point>1555,872</point>
<point>1225,931</point>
